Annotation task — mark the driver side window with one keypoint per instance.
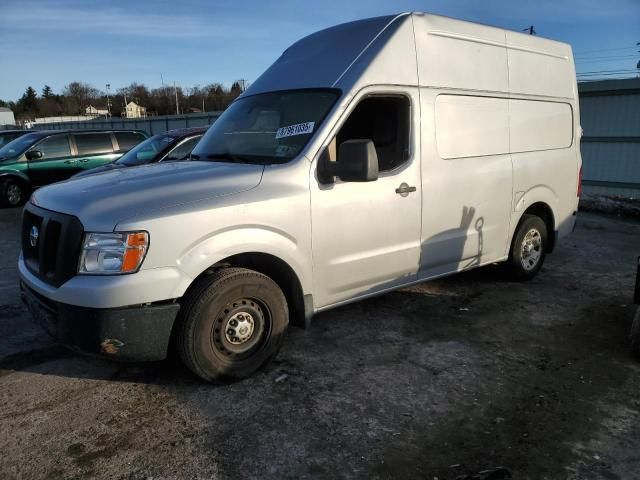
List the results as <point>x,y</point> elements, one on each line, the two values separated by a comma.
<point>385,121</point>
<point>56,146</point>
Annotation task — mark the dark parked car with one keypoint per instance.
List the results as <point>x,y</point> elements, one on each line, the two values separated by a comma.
<point>40,158</point>
<point>171,145</point>
<point>8,135</point>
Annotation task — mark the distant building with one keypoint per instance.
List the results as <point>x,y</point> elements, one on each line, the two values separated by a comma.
<point>133,110</point>
<point>65,118</point>
<point>91,110</point>
<point>6,116</point>
<point>610,119</point>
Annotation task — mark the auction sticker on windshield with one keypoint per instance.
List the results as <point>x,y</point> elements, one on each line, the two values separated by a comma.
<point>298,129</point>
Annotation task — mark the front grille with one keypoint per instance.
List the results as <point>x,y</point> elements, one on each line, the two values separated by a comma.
<point>53,256</point>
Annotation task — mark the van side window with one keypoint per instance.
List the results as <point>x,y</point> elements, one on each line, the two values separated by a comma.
<point>385,121</point>
<point>55,146</point>
<point>93,143</point>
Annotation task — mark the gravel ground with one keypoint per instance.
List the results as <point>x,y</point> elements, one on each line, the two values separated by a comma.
<point>611,205</point>
<point>447,377</point>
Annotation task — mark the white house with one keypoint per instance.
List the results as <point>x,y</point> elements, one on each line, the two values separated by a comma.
<point>91,110</point>
<point>133,110</point>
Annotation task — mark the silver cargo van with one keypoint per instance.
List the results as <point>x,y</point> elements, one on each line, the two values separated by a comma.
<point>369,156</point>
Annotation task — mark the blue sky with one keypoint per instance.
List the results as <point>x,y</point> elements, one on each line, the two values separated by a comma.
<point>199,42</point>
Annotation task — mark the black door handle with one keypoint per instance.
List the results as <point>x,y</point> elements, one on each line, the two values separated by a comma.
<point>68,161</point>
<point>84,160</point>
<point>404,189</point>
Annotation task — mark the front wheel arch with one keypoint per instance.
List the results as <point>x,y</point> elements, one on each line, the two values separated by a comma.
<point>280,272</point>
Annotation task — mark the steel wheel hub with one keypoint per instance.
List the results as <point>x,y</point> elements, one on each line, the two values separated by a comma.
<point>239,328</point>
<point>531,249</point>
<point>13,194</point>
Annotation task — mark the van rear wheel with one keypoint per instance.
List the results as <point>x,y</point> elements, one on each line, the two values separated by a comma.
<point>231,324</point>
<point>12,192</point>
<point>528,248</point>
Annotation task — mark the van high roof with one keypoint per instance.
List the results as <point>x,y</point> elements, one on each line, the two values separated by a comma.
<point>420,49</point>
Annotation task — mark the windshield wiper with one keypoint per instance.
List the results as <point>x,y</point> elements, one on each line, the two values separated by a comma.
<point>226,156</point>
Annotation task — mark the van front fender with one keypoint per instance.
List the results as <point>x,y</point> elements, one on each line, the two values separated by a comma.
<point>221,245</point>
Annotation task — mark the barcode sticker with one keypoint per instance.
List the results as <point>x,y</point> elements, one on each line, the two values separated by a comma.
<point>298,129</point>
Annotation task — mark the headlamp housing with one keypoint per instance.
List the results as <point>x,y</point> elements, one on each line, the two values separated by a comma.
<point>112,253</point>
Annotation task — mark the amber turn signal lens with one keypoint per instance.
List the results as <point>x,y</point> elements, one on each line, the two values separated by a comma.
<point>140,239</point>
<point>134,254</point>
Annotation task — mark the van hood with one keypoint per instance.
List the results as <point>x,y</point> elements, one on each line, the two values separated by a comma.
<point>101,201</point>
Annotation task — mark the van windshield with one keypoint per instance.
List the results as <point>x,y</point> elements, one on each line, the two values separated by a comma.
<point>19,145</point>
<point>266,128</point>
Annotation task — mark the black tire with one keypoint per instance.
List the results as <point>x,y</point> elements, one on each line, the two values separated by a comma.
<point>528,248</point>
<point>635,334</point>
<point>207,337</point>
<point>12,192</point>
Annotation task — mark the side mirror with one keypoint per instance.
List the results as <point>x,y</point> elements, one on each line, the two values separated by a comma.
<point>357,162</point>
<point>34,155</point>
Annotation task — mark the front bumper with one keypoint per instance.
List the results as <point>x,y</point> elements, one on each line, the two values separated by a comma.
<point>136,333</point>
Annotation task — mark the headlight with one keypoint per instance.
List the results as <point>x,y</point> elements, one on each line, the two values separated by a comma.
<point>113,253</point>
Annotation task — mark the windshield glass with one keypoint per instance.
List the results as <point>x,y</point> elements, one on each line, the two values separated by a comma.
<point>266,128</point>
<point>19,145</point>
<point>146,151</point>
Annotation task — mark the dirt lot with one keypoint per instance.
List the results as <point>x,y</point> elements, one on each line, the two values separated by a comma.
<point>469,371</point>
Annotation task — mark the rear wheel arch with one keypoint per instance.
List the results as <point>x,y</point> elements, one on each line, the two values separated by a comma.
<point>543,211</point>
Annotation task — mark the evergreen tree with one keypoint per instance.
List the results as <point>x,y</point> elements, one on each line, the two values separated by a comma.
<point>28,103</point>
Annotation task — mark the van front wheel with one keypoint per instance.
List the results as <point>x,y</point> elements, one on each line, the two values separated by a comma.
<point>528,248</point>
<point>231,323</point>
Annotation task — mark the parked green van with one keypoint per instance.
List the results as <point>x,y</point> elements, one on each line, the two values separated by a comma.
<point>44,157</point>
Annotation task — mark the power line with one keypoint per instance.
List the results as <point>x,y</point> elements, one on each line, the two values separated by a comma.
<point>577,54</point>
<point>609,71</point>
<point>587,80</point>
<point>605,74</point>
<point>605,59</point>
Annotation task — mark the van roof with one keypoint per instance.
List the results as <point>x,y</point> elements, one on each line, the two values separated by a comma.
<point>384,50</point>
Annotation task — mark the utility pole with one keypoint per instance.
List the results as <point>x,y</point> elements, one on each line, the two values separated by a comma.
<point>530,29</point>
<point>108,85</point>
<point>175,90</point>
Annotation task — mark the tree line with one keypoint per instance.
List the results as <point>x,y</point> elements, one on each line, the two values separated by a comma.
<point>77,96</point>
